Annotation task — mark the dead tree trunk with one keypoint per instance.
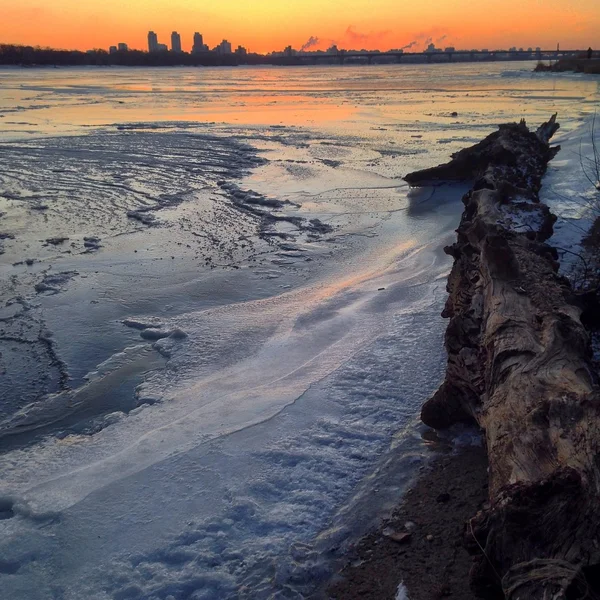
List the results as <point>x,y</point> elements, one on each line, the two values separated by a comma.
<point>519,366</point>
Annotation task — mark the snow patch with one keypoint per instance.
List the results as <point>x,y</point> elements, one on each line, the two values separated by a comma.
<point>401,592</point>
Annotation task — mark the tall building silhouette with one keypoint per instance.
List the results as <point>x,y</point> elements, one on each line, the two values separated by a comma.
<point>223,48</point>
<point>175,42</point>
<point>198,43</point>
<point>152,42</point>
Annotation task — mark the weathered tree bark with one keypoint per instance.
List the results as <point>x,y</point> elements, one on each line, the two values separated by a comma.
<point>519,367</point>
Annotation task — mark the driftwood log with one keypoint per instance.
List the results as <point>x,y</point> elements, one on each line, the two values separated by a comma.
<point>519,367</point>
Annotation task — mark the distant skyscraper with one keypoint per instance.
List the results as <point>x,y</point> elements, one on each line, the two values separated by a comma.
<point>175,42</point>
<point>112,49</point>
<point>152,42</point>
<point>198,43</point>
<point>223,48</point>
<point>123,47</point>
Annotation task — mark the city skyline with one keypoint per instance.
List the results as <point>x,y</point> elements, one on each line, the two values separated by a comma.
<point>267,25</point>
<point>225,47</point>
<point>154,45</point>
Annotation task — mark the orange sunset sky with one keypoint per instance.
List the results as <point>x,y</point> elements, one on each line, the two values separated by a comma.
<point>265,25</point>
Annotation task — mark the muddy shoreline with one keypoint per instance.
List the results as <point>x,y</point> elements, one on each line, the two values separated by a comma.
<point>421,544</point>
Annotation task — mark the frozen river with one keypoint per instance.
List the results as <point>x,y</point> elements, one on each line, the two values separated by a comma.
<point>219,313</point>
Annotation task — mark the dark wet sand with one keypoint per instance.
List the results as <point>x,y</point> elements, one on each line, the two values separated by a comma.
<point>439,504</point>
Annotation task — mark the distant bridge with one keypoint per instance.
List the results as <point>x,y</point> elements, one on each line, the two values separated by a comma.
<point>439,56</point>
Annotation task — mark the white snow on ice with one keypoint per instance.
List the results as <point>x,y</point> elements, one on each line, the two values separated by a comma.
<point>401,593</point>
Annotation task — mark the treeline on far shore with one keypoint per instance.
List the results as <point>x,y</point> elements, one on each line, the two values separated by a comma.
<point>590,66</point>
<point>36,56</point>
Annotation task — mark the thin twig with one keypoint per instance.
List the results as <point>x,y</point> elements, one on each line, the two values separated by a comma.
<point>483,551</point>
<point>585,263</point>
<point>579,201</point>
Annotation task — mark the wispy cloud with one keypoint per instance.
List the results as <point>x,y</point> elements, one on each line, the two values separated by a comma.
<point>311,44</point>
<point>422,40</point>
<point>354,39</point>
<point>351,39</point>
<point>317,43</point>
<point>408,46</point>
<point>369,40</point>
